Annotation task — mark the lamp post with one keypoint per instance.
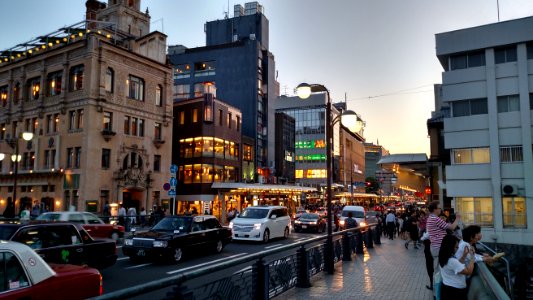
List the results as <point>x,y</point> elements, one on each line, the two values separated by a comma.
<point>304,90</point>
<point>9,212</point>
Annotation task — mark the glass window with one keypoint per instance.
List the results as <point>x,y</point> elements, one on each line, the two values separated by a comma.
<point>109,80</point>
<point>53,83</point>
<point>205,68</point>
<point>230,118</point>
<point>158,95</point>
<point>56,122</point>
<point>511,154</point>
<point>504,55</point>
<point>14,276</point>
<point>70,157</point>
<point>134,122</point>
<point>106,158</point>
<point>71,119</point>
<point>157,131</point>
<point>77,157</point>
<point>208,109</point>
<point>181,91</point>
<point>34,86</point>
<point>458,62</point>
<point>182,71</point>
<point>157,163</point>
<point>182,117</point>
<point>207,173</point>
<point>79,124</point>
<point>4,94</point>
<point>127,125</point>
<point>476,59</point>
<point>187,174</point>
<point>76,78</point>
<point>508,103</point>
<point>141,127</point>
<point>135,86</point>
<point>471,156</point>
<point>107,121</point>
<point>195,115</point>
<point>514,212</point>
<point>219,148</point>
<point>219,174</point>
<point>475,210</point>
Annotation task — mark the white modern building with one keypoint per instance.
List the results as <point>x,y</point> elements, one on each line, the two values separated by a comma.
<point>488,83</point>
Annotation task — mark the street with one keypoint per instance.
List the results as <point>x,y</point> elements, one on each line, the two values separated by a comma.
<point>126,273</point>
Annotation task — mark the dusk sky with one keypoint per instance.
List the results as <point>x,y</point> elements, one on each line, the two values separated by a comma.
<point>379,53</point>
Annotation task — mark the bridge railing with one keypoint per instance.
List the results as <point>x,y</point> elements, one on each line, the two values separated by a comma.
<point>268,274</point>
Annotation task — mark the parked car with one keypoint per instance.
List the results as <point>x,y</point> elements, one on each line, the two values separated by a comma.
<point>173,236</point>
<point>358,212</point>
<point>310,222</point>
<point>62,243</point>
<point>299,213</point>
<point>25,275</point>
<point>94,225</point>
<point>372,217</point>
<point>260,223</point>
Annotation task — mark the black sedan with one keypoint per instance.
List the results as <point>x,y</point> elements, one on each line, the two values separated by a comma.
<point>310,222</point>
<point>173,236</point>
<point>62,243</point>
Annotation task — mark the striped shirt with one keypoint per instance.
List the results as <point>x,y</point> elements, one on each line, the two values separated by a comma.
<point>436,228</point>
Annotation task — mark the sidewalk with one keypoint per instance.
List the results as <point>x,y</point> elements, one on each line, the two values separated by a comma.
<point>388,271</point>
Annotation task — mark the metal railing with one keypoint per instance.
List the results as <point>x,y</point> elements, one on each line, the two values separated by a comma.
<point>487,277</point>
<point>264,278</point>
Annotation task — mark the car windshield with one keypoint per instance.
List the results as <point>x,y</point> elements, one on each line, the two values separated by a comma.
<point>309,216</point>
<point>49,217</point>
<point>6,232</point>
<point>173,223</point>
<point>254,213</point>
<point>355,213</point>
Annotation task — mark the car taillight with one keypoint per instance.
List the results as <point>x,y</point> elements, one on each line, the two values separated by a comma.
<point>101,290</point>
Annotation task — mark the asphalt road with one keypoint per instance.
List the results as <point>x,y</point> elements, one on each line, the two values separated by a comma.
<point>126,273</point>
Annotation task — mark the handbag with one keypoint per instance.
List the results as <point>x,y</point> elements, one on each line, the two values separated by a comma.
<point>437,282</point>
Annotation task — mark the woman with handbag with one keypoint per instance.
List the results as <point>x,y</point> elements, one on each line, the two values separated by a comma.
<point>454,272</point>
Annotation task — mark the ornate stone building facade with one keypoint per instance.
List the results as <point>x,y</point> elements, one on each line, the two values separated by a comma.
<point>97,97</point>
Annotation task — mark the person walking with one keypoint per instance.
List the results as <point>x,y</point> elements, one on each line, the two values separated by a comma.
<point>350,222</point>
<point>390,220</point>
<point>122,215</point>
<point>143,216</point>
<point>25,214</point>
<point>454,272</point>
<point>411,226</point>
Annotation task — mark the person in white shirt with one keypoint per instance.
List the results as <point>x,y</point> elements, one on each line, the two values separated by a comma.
<point>121,215</point>
<point>390,222</point>
<point>454,272</point>
<point>471,235</point>
<point>25,214</point>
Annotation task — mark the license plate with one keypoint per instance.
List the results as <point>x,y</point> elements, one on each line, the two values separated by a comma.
<point>304,226</point>
<point>140,253</point>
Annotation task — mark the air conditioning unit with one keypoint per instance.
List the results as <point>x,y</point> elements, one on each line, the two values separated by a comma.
<point>509,190</point>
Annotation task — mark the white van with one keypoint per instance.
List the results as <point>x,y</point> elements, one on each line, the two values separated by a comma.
<point>261,223</point>
<point>358,212</point>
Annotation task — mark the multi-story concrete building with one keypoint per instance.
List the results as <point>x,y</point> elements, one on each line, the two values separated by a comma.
<point>487,84</point>
<point>373,153</point>
<point>97,96</point>
<point>206,143</point>
<point>237,60</point>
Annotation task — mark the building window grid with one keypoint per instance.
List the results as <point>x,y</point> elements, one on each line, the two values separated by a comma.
<point>109,81</point>
<point>34,87</point>
<point>471,156</point>
<point>505,55</point>
<point>107,121</point>
<point>77,156</point>
<point>514,212</point>
<point>157,131</point>
<point>469,107</point>
<point>511,154</point>
<point>508,103</point>
<point>54,83</point>
<point>182,71</point>
<point>476,210</point>
<point>467,60</point>
<point>135,86</point>
<point>158,95</point>
<point>76,78</point>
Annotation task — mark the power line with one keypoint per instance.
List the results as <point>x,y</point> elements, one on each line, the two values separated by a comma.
<point>399,92</point>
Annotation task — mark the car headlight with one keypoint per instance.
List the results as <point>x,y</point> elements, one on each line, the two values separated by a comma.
<point>362,223</point>
<point>128,242</point>
<point>314,222</point>
<point>341,222</point>
<point>297,222</point>
<point>257,226</point>
<point>160,244</point>
<point>230,225</point>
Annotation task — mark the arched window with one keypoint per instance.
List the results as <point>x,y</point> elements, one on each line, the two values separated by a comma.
<point>131,161</point>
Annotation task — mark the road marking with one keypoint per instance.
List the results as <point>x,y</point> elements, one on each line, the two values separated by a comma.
<point>206,263</point>
<point>138,266</point>
<point>301,239</point>
<point>123,258</point>
<point>273,246</point>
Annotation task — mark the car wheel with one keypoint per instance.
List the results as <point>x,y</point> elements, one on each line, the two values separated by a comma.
<point>177,255</point>
<point>219,246</point>
<point>114,236</point>
<point>266,236</point>
<point>286,233</point>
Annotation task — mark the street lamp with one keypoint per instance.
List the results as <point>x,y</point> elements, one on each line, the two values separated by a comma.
<point>9,212</point>
<point>304,90</point>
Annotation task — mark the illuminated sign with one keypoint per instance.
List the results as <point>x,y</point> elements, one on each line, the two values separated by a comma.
<point>310,144</point>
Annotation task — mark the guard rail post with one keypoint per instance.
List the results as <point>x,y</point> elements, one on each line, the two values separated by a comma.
<point>302,279</point>
<point>346,247</point>
<point>369,243</point>
<point>261,277</point>
<point>377,235</point>
<point>359,242</point>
